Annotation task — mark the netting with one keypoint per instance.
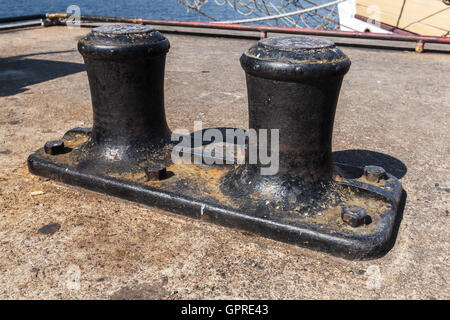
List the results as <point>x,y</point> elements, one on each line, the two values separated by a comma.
<point>288,13</point>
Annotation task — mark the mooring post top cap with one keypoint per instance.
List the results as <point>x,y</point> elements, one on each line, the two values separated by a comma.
<point>295,58</point>
<point>123,42</point>
<point>297,44</point>
<point>121,29</point>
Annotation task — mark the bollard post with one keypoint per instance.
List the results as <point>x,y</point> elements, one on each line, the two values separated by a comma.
<point>293,86</point>
<point>125,66</point>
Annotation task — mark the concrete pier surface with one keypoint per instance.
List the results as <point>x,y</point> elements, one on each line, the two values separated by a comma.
<point>62,242</point>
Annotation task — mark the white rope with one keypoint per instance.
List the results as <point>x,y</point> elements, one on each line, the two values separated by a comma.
<point>284,14</point>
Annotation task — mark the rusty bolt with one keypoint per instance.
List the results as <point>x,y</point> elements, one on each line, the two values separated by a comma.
<point>355,216</point>
<point>375,173</point>
<point>54,147</point>
<point>155,172</point>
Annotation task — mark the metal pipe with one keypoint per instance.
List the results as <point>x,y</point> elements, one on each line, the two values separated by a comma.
<point>317,32</point>
<point>18,25</point>
<point>22,18</point>
<point>125,67</point>
<point>265,29</point>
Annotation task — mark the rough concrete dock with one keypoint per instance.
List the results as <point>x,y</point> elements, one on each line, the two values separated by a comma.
<point>393,111</point>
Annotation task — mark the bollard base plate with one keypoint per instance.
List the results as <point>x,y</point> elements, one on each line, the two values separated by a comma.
<point>195,191</point>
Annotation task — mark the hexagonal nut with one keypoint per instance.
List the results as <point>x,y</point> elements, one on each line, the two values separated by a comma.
<point>155,172</point>
<point>355,216</point>
<point>375,173</point>
<point>54,147</point>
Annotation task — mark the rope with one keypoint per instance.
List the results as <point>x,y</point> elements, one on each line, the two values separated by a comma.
<point>198,9</point>
<point>278,16</point>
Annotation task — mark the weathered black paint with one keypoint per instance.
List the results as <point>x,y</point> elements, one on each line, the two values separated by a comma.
<point>125,67</point>
<point>294,87</point>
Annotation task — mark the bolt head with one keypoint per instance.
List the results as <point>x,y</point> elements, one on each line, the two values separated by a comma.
<point>155,172</point>
<point>54,147</point>
<point>355,216</point>
<point>375,173</point>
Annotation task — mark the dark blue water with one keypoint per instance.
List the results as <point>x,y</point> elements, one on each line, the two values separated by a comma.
<point>150,9</point>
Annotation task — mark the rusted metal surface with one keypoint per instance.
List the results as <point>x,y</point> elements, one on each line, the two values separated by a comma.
<point>127,152</point>
<point>197,192</point>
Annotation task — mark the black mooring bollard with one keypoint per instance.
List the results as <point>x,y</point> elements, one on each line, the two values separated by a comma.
<point>293,86</point>
<point>125,67</point>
